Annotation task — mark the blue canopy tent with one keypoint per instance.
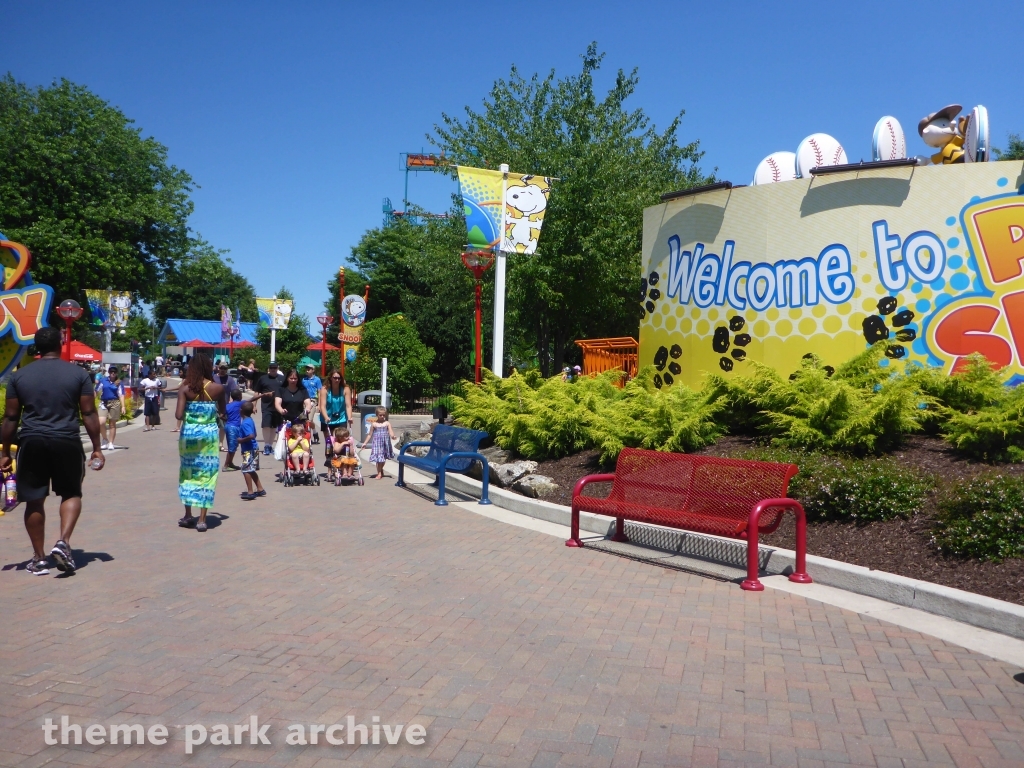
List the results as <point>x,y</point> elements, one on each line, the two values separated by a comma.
<point>177,332</point>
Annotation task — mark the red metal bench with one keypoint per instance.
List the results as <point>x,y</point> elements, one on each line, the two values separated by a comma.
<point>726,497</point>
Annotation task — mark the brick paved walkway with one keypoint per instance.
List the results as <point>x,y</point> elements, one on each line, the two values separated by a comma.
<point>317,603</point>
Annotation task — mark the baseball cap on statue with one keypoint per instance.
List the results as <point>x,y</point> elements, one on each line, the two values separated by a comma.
<point>947,112</point>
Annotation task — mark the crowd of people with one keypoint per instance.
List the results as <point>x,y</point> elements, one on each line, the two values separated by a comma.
<point>49,399</point>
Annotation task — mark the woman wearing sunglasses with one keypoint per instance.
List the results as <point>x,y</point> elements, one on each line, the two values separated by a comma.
<point>335,405</point>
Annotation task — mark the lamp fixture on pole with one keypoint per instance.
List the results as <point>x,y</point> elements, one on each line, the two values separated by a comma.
<point>70,310</point>
<point>324,320</point>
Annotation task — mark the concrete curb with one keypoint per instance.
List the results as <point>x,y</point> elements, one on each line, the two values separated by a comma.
<point>977,610</point>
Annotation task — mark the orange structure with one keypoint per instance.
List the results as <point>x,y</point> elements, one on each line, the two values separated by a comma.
<point>608,354</point>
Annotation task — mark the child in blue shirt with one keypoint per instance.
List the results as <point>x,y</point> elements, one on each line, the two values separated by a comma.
<point>250,454</point>
<point>231,427</point>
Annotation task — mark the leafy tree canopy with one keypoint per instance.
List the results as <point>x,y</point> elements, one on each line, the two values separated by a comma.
<point>611,162</point>
<point>97,204</point>
<point>415,269</point>
<point>1014,149</point>
<point>409,359</point>
<point>196,287</point>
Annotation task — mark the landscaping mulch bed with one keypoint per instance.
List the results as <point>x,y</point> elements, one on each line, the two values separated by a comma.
<point>897,546</point>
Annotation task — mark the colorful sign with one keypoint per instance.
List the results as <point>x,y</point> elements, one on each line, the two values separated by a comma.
<point>24,306</point>
<point>353,315</point>
<point>99,306</point>
<point>526,200</point>
<point>108,309</point>
<point>273,313</point>
<point>265,309</point>
<point>927,260</point>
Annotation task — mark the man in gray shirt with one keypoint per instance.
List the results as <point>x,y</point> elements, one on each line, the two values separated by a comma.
<point>46,397</point>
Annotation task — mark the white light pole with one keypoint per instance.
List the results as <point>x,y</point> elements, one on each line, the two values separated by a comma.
<point>273,331</point>
<point>498,359</point>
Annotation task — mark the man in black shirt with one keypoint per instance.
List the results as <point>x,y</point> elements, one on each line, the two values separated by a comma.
<point>46,397</point>
<point>266,389</point>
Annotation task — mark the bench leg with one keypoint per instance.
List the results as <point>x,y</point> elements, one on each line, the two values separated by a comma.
<point>574,529</point>
<point>441,500</point>
<point>401,475</point>
<point>620,530</point>
<point>752,583</point>
<point>799,574</point>
<point>484,496</point>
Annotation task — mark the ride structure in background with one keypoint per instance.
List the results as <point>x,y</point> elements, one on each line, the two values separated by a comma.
<point>415,162</point>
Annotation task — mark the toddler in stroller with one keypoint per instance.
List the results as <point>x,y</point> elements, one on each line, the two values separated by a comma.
<point>298,462</point>
<point>343,461</point>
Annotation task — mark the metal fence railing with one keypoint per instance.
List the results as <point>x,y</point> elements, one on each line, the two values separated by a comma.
<point>431,398</point>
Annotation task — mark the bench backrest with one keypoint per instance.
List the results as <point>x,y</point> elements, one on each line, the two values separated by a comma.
<point>708,492</point>
<point>446,439</point>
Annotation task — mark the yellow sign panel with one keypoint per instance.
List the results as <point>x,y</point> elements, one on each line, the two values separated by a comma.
<point>928,260</point>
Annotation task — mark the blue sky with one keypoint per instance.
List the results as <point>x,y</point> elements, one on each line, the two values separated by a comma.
<point>291,116</point>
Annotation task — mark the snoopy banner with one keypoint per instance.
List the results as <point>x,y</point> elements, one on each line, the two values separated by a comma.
<point>110,309</point>
<point>928,260</point>
<point>353,315</point>
<point>526,200</point>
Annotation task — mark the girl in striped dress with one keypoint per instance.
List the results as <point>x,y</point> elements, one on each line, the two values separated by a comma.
<point>200,400</point>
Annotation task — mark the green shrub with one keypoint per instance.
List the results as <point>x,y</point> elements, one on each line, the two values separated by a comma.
<point>549,418</point>
<point>983,518</point>
<point>409,359</point>
<point>846,489</point>
<point>859,408</point>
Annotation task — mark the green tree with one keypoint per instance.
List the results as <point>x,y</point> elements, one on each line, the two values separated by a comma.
<point>97,204</point>
<point>415,269</point>
<point>1014,149</point>
<point>611,163</point>
<point>409,359</point>
<point>291,342</point>
<point>196,287</point>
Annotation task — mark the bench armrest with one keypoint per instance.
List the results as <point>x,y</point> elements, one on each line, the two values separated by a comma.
<point>584,481</point>
<point>414,443</point>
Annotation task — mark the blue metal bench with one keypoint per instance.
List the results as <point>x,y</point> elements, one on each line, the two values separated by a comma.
<point>452,449</point>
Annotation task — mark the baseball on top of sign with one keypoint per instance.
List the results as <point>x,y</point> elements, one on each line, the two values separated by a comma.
<point>778,166</point>
<point>817,151</point>
<point>976,140</point>
<point>888,141</point>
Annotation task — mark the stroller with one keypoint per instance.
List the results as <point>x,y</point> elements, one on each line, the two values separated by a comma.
<point>292,475</point>
<point>336,465</point>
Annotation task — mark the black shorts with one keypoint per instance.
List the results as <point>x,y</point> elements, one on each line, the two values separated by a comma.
<point>151,407</point>
<point>271,418</point>
<point>46,460</point>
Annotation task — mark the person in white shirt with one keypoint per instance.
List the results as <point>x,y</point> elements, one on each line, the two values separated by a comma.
<point>159,363</point>
<point>151,386</point>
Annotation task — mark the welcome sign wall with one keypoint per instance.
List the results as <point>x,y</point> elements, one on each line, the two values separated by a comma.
<point>24,306</point>
<point>928,260</point>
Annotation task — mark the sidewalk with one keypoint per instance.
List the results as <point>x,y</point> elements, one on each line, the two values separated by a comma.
<point>316,603</point>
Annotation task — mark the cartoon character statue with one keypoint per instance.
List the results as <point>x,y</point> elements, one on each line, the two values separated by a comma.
<point>524,209</point>
<point>946,133</point>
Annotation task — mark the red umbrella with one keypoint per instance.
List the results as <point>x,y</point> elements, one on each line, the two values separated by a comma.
<point>316,347</point>
<point>198,344</point>
<point>242,344</point>
<point>80,351</point>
